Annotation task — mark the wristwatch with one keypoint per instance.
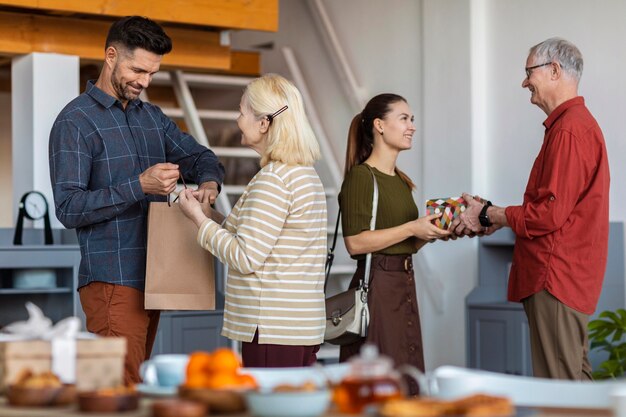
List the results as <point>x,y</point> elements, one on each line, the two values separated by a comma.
<point>483,218</point>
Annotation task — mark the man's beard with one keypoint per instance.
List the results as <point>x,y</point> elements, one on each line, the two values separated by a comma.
<point>122,92</point>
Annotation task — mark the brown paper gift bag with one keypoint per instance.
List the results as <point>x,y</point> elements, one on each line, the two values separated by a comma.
<point>180,274</point>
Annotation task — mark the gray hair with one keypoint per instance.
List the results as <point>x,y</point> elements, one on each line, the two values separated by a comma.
<point>561,51</point>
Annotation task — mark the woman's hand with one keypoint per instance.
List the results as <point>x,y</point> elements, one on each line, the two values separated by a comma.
<point>191,207</point>
<point>422,228</point>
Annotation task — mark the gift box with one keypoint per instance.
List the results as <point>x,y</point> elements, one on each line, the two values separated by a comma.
<point>99,362</point>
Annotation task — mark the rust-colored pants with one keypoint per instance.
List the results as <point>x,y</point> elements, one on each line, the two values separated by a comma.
<point>256,355</point>
<point>117,310</point>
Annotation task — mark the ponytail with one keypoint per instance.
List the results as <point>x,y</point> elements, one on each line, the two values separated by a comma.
<point>360,144</point>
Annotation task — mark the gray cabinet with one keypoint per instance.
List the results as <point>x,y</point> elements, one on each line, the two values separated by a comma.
<point>499,341</point>
<point>186,332</point>
<point>497,331</point>
<point>21,268</point>
<point>189,331</point>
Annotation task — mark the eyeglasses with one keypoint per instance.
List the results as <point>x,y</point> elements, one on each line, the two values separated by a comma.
<point>529,70</point>
<point>271,117</point>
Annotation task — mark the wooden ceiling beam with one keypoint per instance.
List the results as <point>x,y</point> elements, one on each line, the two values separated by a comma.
<point>231,14</point>
<point>245,63</point>
<point>22,33</point>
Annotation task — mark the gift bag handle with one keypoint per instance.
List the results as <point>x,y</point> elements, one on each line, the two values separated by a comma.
<point>184,185</point>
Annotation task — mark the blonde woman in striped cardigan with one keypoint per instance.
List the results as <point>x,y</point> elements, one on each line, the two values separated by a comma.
<point>274,240</point>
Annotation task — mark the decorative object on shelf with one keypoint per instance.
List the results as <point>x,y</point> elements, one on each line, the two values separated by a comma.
<point>607,334</point>
<point>28,279</point>
<point>33,206</point>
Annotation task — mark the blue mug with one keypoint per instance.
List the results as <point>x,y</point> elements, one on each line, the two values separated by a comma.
<point>166,370</point>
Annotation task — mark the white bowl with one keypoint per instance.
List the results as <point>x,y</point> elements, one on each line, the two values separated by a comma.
<point>268,378</point>
<point>26,279</point>
<point>288,404</point>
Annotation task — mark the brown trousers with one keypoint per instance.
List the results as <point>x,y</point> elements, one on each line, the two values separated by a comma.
<point>117,310</point>
<point>255,355</point>
<point>558,338</point>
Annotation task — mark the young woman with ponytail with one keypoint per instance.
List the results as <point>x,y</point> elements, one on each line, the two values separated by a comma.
<point>377,135</point>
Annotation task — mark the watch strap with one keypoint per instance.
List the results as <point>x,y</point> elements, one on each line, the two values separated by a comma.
<point>483,218</point>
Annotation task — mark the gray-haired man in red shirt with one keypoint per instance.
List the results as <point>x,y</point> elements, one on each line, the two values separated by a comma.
<point>562,227</point>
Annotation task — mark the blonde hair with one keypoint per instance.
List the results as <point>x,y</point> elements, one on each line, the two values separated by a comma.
<point>290,138</point>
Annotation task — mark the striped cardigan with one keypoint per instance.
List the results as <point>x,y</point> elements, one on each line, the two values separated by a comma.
<point>274,242</point>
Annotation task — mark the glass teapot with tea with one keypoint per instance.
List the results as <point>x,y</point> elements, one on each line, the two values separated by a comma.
<point>371,381</point>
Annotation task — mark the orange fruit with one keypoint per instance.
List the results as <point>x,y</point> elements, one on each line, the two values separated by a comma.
<point>198,363</point>
<point>246,381</point>
<point>196,381</point>
<point>224,360</point>
<point>222,380</point>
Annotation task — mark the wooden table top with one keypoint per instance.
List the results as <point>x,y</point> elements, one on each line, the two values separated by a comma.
<point>145,410</point>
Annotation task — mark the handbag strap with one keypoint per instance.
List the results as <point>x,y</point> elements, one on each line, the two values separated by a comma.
<point>330,257</point>
<point>368,259</point>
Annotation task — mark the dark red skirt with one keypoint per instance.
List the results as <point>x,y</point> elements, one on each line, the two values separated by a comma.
<point>257,355</point>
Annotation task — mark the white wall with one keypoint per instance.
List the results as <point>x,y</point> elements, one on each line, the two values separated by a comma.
<point>446,161</point>
<point>382,41</point>
<point>388,62</point>
<point>6,175</point>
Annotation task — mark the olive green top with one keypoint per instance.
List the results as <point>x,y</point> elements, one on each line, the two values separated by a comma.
<point>395,206</point>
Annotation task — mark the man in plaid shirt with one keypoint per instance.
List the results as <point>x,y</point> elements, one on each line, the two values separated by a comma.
<point>110,155</point>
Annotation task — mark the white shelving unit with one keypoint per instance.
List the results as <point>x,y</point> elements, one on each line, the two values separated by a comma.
<point>58,301</point>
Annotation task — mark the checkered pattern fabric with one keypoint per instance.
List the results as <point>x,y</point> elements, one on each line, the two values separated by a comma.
<point>97,149</point>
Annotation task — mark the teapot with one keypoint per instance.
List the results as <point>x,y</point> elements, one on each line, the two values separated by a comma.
<point>372,380</point>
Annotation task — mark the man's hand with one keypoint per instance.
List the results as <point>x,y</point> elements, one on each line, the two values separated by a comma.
<point>469,218</point>
<point>207,192</point>
<point>191,207</point>
<point>159,179</point>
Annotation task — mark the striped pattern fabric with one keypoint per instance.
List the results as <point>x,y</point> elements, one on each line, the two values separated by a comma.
<point>274,242</point>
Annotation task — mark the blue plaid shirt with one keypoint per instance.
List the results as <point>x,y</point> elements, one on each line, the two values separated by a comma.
<point>97,151</point>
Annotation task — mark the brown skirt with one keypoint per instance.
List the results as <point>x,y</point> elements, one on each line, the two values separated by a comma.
<point>394,316</point>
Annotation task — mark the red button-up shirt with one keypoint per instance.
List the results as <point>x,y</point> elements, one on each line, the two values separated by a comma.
<point>562,228</point>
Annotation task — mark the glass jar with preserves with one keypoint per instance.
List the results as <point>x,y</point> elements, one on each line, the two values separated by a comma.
<point>370,381</point>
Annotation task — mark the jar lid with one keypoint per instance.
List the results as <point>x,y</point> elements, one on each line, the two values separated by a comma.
<point>369,363</point>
